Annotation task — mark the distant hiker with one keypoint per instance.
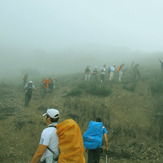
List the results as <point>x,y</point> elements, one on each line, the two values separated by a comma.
<point>51,85</point>
<point>87,73</point>
<point>28,92</point>
<point>44,87</point>
<point>120,70</point>
<point>135,68</point>
<point>103,72</point>
<point>25,79</point>
<point>112,70</point>
<point>48,151</point>
<point>54,82</point>
<point>94,74</point>
<point>93,140</point>
<point>161,64</point>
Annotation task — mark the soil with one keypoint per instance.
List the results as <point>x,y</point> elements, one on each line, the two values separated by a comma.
<point>132,114</point>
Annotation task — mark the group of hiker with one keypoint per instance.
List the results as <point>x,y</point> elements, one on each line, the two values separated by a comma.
<point>63,142</point>
<point>111,70</point>
<point>46,87</point>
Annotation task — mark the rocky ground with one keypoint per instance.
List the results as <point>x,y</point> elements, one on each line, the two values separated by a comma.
<point>131,111</point>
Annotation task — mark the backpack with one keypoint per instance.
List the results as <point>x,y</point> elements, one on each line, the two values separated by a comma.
<point>93,136</point>
<point>29,89</point>
<point>119,68</point>
<point>70,142</point>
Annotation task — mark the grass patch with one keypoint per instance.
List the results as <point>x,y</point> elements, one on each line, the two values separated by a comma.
<point>99,91</point>
<point>74,92</point>
<point>157,85</point>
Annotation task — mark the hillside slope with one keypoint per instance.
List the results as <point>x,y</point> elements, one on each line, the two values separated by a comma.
<point>130,111</point>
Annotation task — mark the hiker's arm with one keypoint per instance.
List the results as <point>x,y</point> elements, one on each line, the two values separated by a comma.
<point>38,154</point>
<point>106,141</point>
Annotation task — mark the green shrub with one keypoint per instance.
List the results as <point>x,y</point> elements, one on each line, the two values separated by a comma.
<point>157,86</point>
<point>99,91</point>
<point>74,92</point>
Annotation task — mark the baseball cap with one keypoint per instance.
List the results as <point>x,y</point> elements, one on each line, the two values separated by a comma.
<point>52,113</point>
<point>30,81</point>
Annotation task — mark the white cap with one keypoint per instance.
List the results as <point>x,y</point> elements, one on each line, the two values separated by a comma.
<point>52,113</point>
<point>30,81</point>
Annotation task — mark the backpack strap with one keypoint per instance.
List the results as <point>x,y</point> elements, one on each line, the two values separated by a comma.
<point>56,159</point>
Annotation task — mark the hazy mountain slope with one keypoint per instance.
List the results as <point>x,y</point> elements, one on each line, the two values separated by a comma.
<point>131,113</point>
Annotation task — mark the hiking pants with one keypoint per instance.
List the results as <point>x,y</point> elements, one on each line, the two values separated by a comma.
<point>111,75</point>
<point>94,155</point>
<point>120,75</point>
<point>102,77</point>
<point>87,77</point>
<point>27,98</point>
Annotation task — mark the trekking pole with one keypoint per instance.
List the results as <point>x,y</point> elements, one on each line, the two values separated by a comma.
<point>106,157</point>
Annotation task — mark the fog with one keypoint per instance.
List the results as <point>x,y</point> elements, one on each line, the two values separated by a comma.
<point>58,37</point>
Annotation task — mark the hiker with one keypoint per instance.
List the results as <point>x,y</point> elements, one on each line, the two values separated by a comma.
<point>48,151</point>
<point>112,70</point>
<point>120,70</point>
<point>87,73</point>
<point>54,81</point>
<point>94,74</point>
<point>161,64</point>
<point>25,78</point>
<point>93,140</point>
<point>44,87</point>
<point>51,85</point>
<point>103,71</point>
<point>28,88</point>
<point>135,68</point>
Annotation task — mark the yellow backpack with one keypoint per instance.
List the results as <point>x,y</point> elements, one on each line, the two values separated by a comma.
<point>70,142</point>
<point>119,68</point>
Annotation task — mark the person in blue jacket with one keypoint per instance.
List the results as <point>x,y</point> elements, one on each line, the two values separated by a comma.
<point>94,154</point>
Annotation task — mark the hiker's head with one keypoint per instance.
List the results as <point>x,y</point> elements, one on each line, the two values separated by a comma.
<point>98,119</point>
<point>30,83</point>
<point>52,114</point>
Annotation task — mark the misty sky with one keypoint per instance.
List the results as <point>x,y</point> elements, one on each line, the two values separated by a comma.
<point>39,31</point>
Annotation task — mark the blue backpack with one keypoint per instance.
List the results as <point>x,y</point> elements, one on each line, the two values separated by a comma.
<point>93,136</point>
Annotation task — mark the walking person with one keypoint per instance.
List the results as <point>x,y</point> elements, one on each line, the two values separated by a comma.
<point>48,151</point>
<point>28,88</point>
<point>44,87</point>
<point>25,79</point>
<point>135,68</point>
<point>112,70</point>
<point>93,140</point>
<point>120,70</point>
<point>103,72</point>
<point>94,74</point>
<point>51,85</point>
<point>87,73</point>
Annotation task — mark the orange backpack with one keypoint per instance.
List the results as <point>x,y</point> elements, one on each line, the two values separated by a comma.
<point>70,142</point>
<point>119,68</point>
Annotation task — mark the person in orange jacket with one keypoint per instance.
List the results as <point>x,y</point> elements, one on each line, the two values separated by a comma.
<point>48,151</point>
<point>44,86</point>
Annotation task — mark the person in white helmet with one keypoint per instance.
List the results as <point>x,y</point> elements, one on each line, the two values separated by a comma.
<point>28,88</point>
<point>48,151</point>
